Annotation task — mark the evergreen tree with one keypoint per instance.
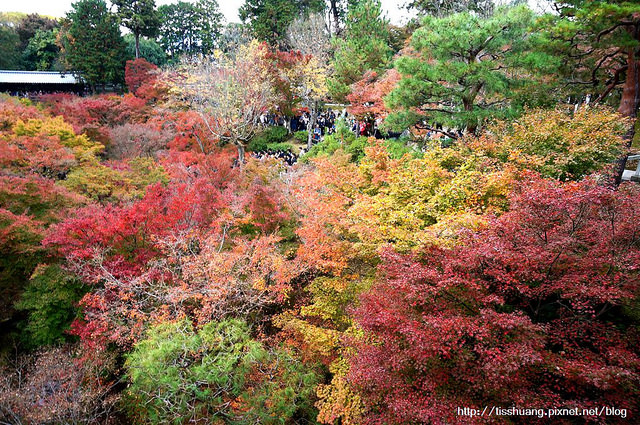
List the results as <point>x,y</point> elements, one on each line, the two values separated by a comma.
<point>442,8</point>
<point>365,47</point>
<point>140,17</point>
<point>31,24</point>
<point>149,50</point>
<point>466,69</point>
<point>42,52</point>
<point>188,28</point>
<point>9,45</point>
<point>601,40</point>
<point>92,43</point>
<point>270,19</point>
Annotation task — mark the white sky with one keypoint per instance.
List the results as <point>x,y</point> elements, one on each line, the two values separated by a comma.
<point>393,8</point>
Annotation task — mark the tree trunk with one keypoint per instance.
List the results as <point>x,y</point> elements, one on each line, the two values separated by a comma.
<point>468,102</point>
<point>311,124</point>
<point>333,13</point>
<point>468,107</point>
<point>137,45</point>
<point>240,148</point>
<point>630,99</point>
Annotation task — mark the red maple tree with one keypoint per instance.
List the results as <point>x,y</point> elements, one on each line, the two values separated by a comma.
<point>533,311</point>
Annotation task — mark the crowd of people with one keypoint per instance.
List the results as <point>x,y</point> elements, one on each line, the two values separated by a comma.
<point>325,121</point>
<point>325,124</point>
<point>288,157</point>
<point>36,94</point>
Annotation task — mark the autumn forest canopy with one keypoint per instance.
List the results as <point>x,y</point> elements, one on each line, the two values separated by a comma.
<point>315,216</point>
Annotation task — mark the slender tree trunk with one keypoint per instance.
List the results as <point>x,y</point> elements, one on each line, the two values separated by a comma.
<point>336,16</point>
<point>240,148</point>
<point>137,45</point>
<point>630,99</point>
<point>311,124</point>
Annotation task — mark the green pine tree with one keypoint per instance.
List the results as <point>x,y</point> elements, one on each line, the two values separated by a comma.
<point>270,19</point>
<point>140,16</point>
<point>466,70</point>
<point>365,46</point>
<point>93,45</point>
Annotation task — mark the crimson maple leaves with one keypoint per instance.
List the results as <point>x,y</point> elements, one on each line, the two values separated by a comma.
<point>203,247</point>
<point>531,311</point>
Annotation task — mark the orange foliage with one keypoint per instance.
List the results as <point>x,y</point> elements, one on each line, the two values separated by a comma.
<point>367,95</point>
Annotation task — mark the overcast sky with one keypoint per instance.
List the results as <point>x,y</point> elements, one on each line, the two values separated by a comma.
<point>393,8</point>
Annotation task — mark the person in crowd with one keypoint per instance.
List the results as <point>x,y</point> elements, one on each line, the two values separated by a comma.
<point>317,134</point>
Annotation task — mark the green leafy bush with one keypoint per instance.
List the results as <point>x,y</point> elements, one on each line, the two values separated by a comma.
<point>398,148</point>
<point>270,135</point>
<point>280,147</point>
<point>346,140</point>
<point>50,301</point>
<point>301,136</point>
<point>216,374</point>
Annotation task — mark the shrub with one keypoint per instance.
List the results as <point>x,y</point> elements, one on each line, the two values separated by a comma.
<point>556,143</point>
<point>270,135</point>
<point>526,311</point>
<point>301,136</point>
<point>216,374</point>
<point>50,301</point>
<point>280,147</point>
<point>132,140</point>
<point>53,387</point>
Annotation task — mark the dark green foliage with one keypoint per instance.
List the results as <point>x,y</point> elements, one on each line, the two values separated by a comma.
<point>344,139</point>
<point>42,52</point>
<point>217,373</point>
<point>189,28</point>
<point>28,42</point>
<point>301,136</point>
<point>270,19</point>
<point>93,44</point>
<point>50,301</point>
<point>598,43</point>
<point>17,261</point>
<point>149,50</point>
<point>468,70</point>
<point>9,48</point>
<point>442,8</point>
<point>140,17</point>
<point>280,147</point>
<point>398,148</point>
<point>354,146</point>
<point>270,136</point>
<point>31,24</point>
<point>26,207</point>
